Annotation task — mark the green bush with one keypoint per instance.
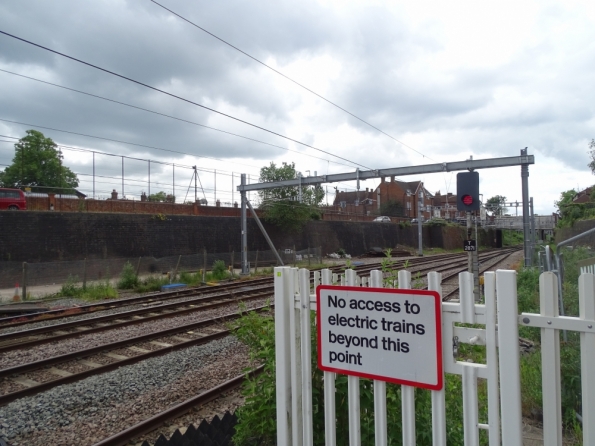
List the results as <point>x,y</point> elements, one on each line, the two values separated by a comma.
<point>93,291</point>
<point>151,283</point>
<point>219,271</point>
<point>128,278</point>
<point>511,238</point>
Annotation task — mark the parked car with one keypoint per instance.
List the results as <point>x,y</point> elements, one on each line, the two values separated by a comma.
<point>12,199</point>
<point>382,219</point>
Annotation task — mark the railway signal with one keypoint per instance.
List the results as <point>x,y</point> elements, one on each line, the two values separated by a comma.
<point>468,191</point>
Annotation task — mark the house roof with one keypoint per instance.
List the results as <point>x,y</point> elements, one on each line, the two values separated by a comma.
<point>351,197</point>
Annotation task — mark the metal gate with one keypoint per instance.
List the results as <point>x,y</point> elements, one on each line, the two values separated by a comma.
<point>499,333</point>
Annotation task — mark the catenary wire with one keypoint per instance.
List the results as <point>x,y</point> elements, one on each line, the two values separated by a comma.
<point>122,142</point>
<point>169,116</point>
<point>179,97</point>
<point>289,79</point>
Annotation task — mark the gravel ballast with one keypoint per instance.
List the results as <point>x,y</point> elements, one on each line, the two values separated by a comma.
<point>85,412</point>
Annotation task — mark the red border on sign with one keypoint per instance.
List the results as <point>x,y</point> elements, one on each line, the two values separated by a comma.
<point>438,311</point>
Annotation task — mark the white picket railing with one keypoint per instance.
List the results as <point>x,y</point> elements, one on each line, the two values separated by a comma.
<point>293,302</point>
<point>551,323</point>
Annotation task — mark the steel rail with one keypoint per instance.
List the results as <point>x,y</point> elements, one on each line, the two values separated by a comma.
<point>163,295</point>
<point>113,317</point>
<point>6,398</point>
<point>124,437</point>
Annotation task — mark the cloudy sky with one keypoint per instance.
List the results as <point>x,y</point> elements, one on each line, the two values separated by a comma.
<point>445,81</point>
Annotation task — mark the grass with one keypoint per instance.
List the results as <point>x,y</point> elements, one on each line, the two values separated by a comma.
<point>511,238</point>
<point>93,291</point>
<point>531,384</point>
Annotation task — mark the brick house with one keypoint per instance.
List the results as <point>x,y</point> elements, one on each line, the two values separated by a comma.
<point>406,193</point>
<point>445,206</point>
<point>369,202</point>
<point>362,202</point>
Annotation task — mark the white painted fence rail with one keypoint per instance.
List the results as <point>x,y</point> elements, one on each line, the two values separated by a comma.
<point>551,323</point>
<point>295,299</point>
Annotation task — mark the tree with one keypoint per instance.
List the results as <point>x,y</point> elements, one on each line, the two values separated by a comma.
<point>159,196</point>
<point>592,155</point>
<point>496,205</point>
<point>392,208</point>
<point>38,164</point>
<point>282,206</point>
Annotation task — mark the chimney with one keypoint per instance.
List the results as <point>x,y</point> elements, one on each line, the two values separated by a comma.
<point>392,178</point>
<point>382,179</point>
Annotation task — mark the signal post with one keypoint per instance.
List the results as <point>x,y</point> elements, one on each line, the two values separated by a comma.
<point>468,201</point>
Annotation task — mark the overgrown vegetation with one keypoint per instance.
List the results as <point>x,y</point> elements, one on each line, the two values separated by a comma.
<point>92,291</point>
<point>528,301</point>
<point>219,271</point>
<point>511,238</point>
<point>128,278</point>
<point>257,418</point>
<point>289,207</point>
<point>391,208</point>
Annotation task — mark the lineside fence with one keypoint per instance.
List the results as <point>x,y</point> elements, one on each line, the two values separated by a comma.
<point>493,325</point>
<point>49,273</point>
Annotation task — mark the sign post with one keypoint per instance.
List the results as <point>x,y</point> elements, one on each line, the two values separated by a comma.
<point>384,334</point>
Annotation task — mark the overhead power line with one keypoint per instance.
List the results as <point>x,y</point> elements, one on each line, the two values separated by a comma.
<point>167,116</point>
<point>179,97</point>
<point>289,79</point>
<point>118,141</point>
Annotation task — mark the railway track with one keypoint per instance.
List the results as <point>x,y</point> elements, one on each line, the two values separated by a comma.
<point>414,264</point>
<point>37,376</point>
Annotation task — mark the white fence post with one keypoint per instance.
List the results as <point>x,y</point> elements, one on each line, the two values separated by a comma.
<point>306,351</point>
<point>508,337</point>
<point>492,358</point>
<point>586,287</point>
<point>296,365</point>
<point>438,396</point>
<point>330,412</point>
<point>550,362</point>
<point>380,420</point>
<point>407,392</point>
<point>282,354</point>
<point>469,376</point>
<point>355,437</point>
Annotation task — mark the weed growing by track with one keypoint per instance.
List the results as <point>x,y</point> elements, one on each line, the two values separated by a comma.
<point>93,291</point>
<point>128,278</point>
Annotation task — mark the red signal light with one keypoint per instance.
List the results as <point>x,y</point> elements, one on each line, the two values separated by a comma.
<point>467,200</point>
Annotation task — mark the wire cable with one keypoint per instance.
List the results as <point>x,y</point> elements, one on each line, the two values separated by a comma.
<point>168,116</point>
<point>119,141</point>
<point>289,79</point>
<point>179,97</point>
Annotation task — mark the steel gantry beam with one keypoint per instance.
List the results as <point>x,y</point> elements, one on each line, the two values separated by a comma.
<point>396,171</point>
<point>523,160</point>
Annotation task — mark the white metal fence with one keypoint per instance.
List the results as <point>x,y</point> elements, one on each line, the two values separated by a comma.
<point>499,318</point>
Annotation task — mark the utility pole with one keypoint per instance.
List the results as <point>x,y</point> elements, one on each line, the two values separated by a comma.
<point>245,269</point>
<point>526,223</point>
<point>195,190</point>
<point>420,203</point>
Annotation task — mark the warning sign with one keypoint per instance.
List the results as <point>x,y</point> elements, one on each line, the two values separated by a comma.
<point>385,334</point>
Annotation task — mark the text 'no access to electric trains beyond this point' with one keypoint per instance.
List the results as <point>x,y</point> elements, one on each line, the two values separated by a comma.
<point>392,335</point>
